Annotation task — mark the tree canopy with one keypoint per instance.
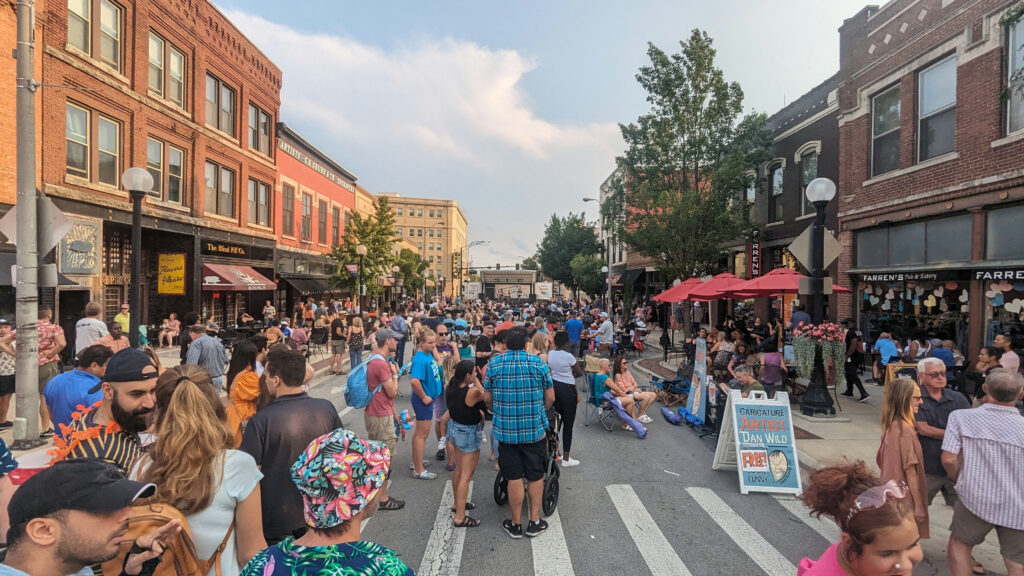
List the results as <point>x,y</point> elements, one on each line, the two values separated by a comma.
<point>677,193</point>
<point>377,233</point>
<point>564,239</point>
<point>587,275</point>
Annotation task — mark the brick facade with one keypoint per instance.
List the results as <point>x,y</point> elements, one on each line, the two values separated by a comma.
<point>936,293</point>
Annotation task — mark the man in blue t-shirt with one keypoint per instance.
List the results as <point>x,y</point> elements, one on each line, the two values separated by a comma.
<point>573,326</point>
<point>66,392</point>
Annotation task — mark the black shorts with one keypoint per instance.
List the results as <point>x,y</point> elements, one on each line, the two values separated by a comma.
<point>523,460</point>
<point>6,385</point>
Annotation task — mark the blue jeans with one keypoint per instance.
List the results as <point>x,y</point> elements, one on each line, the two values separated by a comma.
<point>218,382</point>
<point>400,352</point>
<point>355,357</point>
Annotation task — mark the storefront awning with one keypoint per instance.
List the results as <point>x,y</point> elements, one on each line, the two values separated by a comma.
<point>631,276</point>
<point>234,278</point>
<point>9,259</point>
<point>307,284</point>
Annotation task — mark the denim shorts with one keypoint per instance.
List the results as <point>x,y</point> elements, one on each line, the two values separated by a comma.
<point>464,437</point>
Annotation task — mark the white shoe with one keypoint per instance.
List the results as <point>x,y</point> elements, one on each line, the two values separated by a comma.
<point>644,418</point>
<point>425,464</point>
<point>441,444</point>
<point>569,462</point>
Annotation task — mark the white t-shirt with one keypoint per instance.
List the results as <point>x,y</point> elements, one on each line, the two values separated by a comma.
<point>87,332</point>
<point>561,363</point>
<point>240,477</point>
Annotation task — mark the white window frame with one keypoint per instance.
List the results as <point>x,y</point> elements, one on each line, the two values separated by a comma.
<point>874,136</point>
<point>920,95</point>
<point>86,144</point>
<point>1013,46</point>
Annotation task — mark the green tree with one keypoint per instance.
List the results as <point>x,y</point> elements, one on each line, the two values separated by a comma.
<point>411,267</point>
<point>676,195</point>
<point>564,239</point>
<point>377,233</point>
<point>587,275</point>
<point>530,263</point>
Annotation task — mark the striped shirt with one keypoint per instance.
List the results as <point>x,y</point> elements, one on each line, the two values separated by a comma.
<point>991,441</point>
<point>85,439</point>
<point>517,382</point>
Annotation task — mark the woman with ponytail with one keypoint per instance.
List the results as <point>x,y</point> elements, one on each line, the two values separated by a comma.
<point>879,531</point>
<point>197,471</point>
<point>899,454</point>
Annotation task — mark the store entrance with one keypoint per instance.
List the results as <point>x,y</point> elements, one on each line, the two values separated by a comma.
<point>70,307</point>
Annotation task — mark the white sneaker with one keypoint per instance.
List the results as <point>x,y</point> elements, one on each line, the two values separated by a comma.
<point>425,464</point>
<point>567,463</point>
<point>442,443</point>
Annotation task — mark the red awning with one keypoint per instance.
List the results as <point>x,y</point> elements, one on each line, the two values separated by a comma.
<point>230,277</point>
<point>778,281</point>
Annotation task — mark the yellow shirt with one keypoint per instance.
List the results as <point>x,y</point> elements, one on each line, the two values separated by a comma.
<point>124,320</point>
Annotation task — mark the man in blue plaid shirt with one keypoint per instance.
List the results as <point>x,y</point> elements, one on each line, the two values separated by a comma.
<point>518,386</point>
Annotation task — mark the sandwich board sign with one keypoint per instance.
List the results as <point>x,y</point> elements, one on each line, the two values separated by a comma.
<point>757,439</point>
<point>696,402</point>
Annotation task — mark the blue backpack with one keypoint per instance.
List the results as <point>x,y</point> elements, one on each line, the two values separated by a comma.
<point>357,392</point>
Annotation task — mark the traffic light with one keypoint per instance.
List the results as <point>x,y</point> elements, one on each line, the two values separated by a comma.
<point>517,266</point>
<point>497,266</point>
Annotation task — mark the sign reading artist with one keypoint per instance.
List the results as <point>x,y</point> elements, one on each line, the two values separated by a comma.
<point>171,274</point>
<point>757,439</point>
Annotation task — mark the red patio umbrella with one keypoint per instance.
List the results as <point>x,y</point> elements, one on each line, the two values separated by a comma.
<point>680,292</point>
<point>714,289</point>
<point>778,281</point>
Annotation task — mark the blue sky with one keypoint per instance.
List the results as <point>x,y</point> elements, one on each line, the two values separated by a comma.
<point>511,108</point>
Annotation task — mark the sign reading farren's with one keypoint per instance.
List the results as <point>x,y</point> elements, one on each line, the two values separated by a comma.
<point>1012,274</point>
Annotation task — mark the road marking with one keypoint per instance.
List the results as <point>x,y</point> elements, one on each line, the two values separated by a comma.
<point>344,411</point>
<point>550,552</point>
<point>828,530</point>
<point>760,551</point>
<point>444,548</point>
<point>661,559</point>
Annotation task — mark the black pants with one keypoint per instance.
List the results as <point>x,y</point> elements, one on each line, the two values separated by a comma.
<point>565,404</point>
<point>853,377</point>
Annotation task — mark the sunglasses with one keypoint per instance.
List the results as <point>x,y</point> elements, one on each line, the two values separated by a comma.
<point>934,374</point>
<point>874,498</point>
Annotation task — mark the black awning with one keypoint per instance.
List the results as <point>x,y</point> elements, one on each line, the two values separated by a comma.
<point>8,259</point>
<point>631,276</point>
<point>307,284</point>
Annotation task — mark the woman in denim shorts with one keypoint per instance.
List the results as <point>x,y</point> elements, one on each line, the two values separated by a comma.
<point>465,399</point>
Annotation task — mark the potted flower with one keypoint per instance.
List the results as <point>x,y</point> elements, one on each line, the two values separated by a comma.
<point>830,339</point>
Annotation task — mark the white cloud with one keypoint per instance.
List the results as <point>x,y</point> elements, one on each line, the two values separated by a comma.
<point>440,118</point>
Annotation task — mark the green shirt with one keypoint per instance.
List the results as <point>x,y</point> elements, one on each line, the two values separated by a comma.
<point>348,559</point>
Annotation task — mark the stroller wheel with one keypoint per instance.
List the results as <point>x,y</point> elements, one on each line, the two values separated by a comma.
<point>500,490</point>
<point>550,498</point>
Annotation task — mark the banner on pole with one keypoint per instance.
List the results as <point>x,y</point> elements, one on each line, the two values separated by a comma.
<point>473,290</point>
<point>543,290</point>
<point>757,439</point>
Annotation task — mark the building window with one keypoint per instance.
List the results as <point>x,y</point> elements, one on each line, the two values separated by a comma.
<point>399,231</point>
<point>936,133</point>
<point>929,242</point>
<point>885,131</point>
<point>175,174</point>
<point>419,232</point>
<point>259,203</point>
<point>155,165</point>
<point>412,232</point>
<point>108,156</point>
<point>431,260</point>
<point>259,130</point>
<point>166,70</point>
<point>220,190</point>
<point>76,135</point>
<point>348,220</point>
<point>1015,104</point>
<point>335,226</point>
<point>287,210</point>
<point>156,64</point>
<point>808,172</point>
<point>321,223</point>
<point>220,105</point>
<point>307,217</point>
<point>420,245</point>
<point>775,203</point>
<point>398,211</point>
<point>82,27</point>
<point>431,232</point>
<point>440,214</point>
<point>419,213</point>
<point>438,233</point>
<point>1004,235</point>
<point>431,213</point>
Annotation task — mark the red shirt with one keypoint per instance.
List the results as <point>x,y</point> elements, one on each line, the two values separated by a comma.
<point>48,332</point>
<point>504,326</point>
<point>377,372</point>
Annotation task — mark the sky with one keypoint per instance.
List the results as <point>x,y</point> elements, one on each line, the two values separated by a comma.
<point>512,108</point>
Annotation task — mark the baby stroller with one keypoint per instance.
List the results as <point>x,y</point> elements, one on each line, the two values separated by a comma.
<point>549,499</point>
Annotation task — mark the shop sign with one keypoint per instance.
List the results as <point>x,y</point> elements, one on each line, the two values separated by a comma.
<point>1012,274</point>
<point>171,274</point>
<point>225,249</point>
<point>755,253</point>
<point>112,279</point>
<point>910,276</point>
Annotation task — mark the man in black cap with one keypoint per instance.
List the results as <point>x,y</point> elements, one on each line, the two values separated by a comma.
<point>128,397</point>
<point>75,514</point>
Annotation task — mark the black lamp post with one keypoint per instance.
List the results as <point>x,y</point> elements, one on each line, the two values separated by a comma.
<point>139,182</point>
<point>816,401</point>
<point>394,286</point>
<point>361,251</point>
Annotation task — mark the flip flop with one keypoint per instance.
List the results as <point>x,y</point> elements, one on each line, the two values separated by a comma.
<point>976,568</point>
<point>469,506</point>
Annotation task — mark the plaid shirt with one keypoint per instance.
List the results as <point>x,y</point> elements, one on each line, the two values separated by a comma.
<point>991,440</point>
<point>517,382</point>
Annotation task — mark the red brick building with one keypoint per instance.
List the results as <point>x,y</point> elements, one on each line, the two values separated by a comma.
<point>173,86</point>
<point>930,185</point>
<point>315,199</point>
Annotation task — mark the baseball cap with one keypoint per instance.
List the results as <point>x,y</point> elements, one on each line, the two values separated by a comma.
<point>4,322</point>
<point>128,365</point>
<point>81,484</point>
<point>603,314</point>
<point>338,474</point>
<point>935,342</point>
<point>383,334</point>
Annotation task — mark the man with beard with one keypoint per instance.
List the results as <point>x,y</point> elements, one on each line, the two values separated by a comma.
<point>109,430</point>
<point>75,514</point>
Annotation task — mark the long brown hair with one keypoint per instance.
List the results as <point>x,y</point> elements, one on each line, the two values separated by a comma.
<point>186,461</point>
<point>171,378</point>
<point>898,401</point>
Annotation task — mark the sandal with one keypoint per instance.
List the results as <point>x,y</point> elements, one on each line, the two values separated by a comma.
<point>391,503</point>
<point>450,467</point>
<point>467,522</point>
<point>976,568</point>
<point>469,506</point>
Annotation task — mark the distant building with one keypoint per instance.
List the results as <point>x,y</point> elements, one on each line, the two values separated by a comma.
<point>439,230</point>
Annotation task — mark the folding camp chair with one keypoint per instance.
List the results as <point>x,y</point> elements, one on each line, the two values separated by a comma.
<point>595,407</point>
<point>671,392</point>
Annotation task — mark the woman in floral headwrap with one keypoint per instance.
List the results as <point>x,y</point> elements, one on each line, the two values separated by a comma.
<point>339,475</point>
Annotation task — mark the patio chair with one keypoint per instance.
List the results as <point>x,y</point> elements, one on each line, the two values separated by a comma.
<point>596,407</point>
<point>318,341</point>
<point>671,392</point>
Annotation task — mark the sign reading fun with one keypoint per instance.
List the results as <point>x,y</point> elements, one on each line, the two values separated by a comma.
<point>757,439</point>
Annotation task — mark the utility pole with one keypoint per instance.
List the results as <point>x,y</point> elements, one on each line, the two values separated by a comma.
<point>26,427</point>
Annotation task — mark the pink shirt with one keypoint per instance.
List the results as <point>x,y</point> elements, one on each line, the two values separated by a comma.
<point>827,565</point>
<point>377,372</point>
<point>1010,361</point>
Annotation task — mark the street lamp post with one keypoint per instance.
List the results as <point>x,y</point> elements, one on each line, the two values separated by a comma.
<point>394,286</point>
<point>608,281</point>
<point>816,401</point>
<point>361,251</point>
<point>440,278</point>
<point>139,182</point>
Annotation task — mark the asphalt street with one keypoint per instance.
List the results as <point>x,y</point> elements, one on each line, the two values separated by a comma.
<point>651,506</point>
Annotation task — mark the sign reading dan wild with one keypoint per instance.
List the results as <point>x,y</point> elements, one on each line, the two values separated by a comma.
<point>757,439</point>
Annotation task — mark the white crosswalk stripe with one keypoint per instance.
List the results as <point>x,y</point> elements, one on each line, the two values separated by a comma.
<point>753,544</point>
<point>661,558</point>
<point>550,552</point>
<point>444,548</point>
<point>828,529</point>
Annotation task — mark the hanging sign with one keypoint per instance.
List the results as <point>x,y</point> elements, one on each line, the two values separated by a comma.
<point>754,262</point>
<point>353,269</point>
<point>757,439</point>
<point>170,274</point>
